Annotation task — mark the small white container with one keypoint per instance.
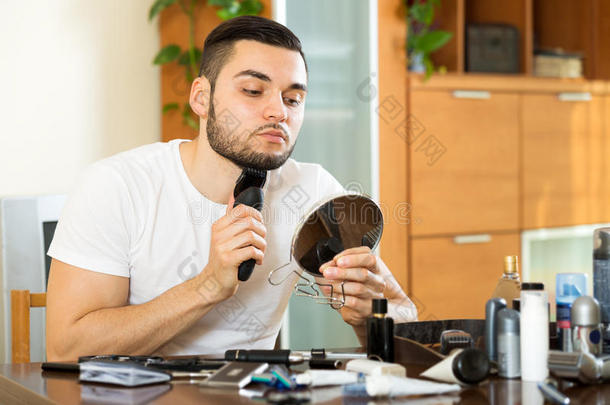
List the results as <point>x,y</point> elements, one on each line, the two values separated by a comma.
<point>534,327</point>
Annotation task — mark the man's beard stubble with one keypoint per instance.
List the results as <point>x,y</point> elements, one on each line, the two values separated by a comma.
<point>231,147</point>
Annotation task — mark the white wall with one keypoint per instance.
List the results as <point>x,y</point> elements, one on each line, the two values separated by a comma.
<point>76,85</point>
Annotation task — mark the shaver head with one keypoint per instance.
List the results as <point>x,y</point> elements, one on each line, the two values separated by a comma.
<point>249,177</point>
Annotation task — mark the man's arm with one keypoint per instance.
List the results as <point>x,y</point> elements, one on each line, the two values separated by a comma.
<point>88,312</point>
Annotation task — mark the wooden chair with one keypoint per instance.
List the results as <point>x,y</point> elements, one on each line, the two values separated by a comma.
<point>21,302</point>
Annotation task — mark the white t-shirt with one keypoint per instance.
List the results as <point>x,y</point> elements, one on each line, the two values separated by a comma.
<point>136,214</point>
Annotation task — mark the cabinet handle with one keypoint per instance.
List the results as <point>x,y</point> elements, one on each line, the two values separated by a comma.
<point>571,96</point>
<point>464,239</point>
<point>472,94</point>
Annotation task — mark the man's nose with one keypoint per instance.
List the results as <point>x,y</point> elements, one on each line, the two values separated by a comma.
<point>275,109</point>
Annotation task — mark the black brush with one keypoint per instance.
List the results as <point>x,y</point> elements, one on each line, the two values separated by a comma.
<point>249,191</point>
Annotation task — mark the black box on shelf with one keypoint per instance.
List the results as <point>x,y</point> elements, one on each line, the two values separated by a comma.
<point>492,48</point>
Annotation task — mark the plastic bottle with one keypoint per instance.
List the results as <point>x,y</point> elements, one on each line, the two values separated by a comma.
<point>534,328</point>
<point>509,357</point>
<point>568,287</point>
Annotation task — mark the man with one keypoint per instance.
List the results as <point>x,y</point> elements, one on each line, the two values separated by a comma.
<point>146,252</point>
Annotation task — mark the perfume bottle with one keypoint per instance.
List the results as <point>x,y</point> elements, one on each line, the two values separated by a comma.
<point>509,285</point>
<point>380,332</point>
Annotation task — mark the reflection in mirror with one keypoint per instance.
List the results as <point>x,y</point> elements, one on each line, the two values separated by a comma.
<point>332,226</point>
<point>342,223</point>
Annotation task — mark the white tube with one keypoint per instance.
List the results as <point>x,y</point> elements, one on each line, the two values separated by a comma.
<point>317,378</point>
<point>391,386</point>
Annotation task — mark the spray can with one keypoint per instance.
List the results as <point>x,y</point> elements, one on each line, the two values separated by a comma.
<point>509,357</point>
<point>601,280</point>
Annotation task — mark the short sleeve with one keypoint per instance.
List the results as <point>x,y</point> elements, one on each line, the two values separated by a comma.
<point>328,186</point>
<point>93,230</point>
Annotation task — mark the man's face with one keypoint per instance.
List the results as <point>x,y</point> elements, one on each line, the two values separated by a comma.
<point>256,107</point>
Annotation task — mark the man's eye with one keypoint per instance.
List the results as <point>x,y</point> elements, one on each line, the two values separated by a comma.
<point>252,92</point>
<point>291,101</point>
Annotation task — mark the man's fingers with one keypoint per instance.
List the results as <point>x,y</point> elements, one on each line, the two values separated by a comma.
<point>360,290</point>
<point>361,306</point>
<point>244,225</point>
<point>235,214</point>
<point>230,204</point>
<point>241,225</point>
<point>355,250</point>
<point>242,211</point>
<point>327,265</point>
<point>248,252</point>
<point>245,239</point>
<point>366,260</point>
<point>358,274</point>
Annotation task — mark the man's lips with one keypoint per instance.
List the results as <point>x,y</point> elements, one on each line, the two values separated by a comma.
<point>274,136</point>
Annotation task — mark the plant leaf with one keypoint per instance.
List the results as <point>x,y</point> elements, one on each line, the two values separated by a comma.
<point>422,12</point>
<point>188,120</point>
<point>221,3</point>
<point>225,14</point>
<point>431,41</point>
<point>158,6</point>
<point>187,117</point>
<point>429,67</point>
<point>251,7</point>
<point>170,106</point>
<point>185,58</point>
<point>168,54</point>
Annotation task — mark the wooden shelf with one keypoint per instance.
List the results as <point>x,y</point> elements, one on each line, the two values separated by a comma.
<point>575,26</point>
<point>508,83</point>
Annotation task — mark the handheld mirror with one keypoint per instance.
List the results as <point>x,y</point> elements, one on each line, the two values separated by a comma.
<point>330,227</point>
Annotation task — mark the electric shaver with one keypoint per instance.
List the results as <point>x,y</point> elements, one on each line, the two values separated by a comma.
<point>249,191</point>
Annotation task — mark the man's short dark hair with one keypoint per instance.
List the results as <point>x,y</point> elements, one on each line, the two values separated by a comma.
<point>220,43</point>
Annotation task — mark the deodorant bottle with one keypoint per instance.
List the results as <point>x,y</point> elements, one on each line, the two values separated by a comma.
<point>601,280</point>
<point>534,328</point>
<point>586,328</point>
<point>568,287</point>
<point>509,351</point>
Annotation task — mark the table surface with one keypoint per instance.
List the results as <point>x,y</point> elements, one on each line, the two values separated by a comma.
<point>28,384</point>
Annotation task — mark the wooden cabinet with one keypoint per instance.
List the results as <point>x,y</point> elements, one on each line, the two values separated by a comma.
<point>562,159</point>
<point>464,162</point>
<point>605,186</point>
<point>453,278</point>
<point>574,26</point>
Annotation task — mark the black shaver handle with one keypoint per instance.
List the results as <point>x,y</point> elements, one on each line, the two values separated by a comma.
<point>259,356</point>
<point>253,197</point>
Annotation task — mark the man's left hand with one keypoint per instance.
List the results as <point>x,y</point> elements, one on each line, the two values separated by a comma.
<point>365,277</point>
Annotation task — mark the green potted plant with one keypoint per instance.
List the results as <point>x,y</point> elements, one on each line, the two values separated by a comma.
<point>422,38</point>
<point>189,58</point>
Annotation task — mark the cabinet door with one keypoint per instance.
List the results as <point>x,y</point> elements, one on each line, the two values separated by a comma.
<point>562,159</point>
<point>464,170</point>
<point>453,277</point>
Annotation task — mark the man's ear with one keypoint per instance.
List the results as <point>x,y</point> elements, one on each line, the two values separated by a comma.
<point>200,97</point>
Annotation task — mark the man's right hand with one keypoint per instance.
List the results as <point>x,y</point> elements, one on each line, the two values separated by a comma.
<point>236,237</point>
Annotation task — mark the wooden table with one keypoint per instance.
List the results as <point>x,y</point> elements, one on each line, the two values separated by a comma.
<point>27,384</point>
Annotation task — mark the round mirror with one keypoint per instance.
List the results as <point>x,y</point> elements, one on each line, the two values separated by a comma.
<point>336,224</point>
